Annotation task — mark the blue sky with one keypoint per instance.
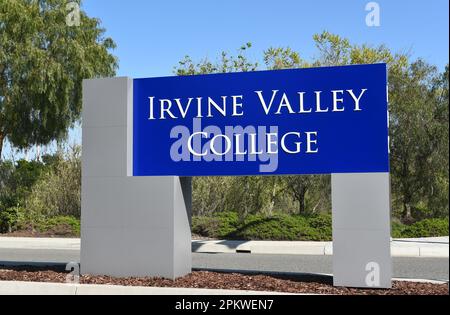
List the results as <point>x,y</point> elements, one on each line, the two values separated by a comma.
<point>152,36</point>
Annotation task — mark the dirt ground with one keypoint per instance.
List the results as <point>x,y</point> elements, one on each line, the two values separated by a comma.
<point>215,280</point>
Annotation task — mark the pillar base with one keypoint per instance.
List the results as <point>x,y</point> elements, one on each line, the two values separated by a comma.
<point>361,230</point>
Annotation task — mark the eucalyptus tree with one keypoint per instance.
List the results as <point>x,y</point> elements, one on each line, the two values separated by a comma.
<point>43,60</point>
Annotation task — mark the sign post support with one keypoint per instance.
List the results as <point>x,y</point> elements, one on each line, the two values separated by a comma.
<point>130,226</point>
<point>361,230</point>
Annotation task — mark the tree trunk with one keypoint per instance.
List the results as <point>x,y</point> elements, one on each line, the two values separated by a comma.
<point>301,201</point>
<point>301,208</point>
<point>407,216</point>
<point>2,138</point>
<point>406,191</point>
<point>272,199</point>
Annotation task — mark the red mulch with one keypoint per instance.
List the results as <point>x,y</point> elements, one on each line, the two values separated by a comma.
<point>215,280</point>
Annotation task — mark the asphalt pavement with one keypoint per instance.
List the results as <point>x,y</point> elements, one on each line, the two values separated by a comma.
<point>404,267</point>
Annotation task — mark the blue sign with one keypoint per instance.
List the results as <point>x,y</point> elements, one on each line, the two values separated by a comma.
<point>303,121</point>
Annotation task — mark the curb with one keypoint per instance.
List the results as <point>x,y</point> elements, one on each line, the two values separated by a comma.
<point>42,288</point>
<point>398,248</point>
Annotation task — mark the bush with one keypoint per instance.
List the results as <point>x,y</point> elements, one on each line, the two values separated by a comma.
<point>60,226</point>
<point>278,227</point>
<point>226,225</point>
<point>58,191</point>
<point>285,227</point>
<point>397,229</point>
<point>424,228</point>
<point>218,225</point>
<point>9,219</point>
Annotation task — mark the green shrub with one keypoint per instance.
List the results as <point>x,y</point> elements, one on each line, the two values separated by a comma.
<point>276,227</point>
<point>285,227</point>
<point>226,225</point>
<point>215,226</point>
<point>58,190</point>
<point>16,180</point>
<point>397,229</point>
<point>424,228</point>
<point>9,218</point>
<point>322,227</point>
<point>60,226</point>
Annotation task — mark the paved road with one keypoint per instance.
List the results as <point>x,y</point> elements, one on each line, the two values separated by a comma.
<point>412,268</point>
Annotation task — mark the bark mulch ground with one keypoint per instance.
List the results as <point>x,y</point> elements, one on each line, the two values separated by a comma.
<point>216,280</point>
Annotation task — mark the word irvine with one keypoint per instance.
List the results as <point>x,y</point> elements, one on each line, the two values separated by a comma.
<point>250,142</point>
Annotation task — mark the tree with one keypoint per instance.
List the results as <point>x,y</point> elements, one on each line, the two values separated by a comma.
<point>298,187</point>
<point>418,130</point>
<point>226,64</point>
<point>42,64</point>
<point>438,187</point>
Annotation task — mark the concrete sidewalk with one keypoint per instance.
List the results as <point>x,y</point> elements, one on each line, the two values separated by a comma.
<point>424,247</point>
<point>41,288</point>
<point>434,247</point>
<point>45,288</point>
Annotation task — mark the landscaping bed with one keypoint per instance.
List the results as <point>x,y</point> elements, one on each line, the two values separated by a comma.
<point>230,281</point>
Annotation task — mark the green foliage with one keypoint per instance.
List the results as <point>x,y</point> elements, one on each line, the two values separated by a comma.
<point>58,191</point>
<point>59,226</point>
<point>227,225</point>
<point>210,194</point>
<point>16,181</point>
<point>9,218</point>
<point>281,226</point>
<point>424,228</point>
<point>282,58</point>
<point>227,63</point>
<point>218,225</point>
<point>42,64</point>
<point>284,227</point>
<point>419,138</point>
<point>419,132</point>
<point>33,193</point>
<point>255,207</point>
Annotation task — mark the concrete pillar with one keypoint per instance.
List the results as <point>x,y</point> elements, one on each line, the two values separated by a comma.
<point>361,230</point>
<point>130,226</point>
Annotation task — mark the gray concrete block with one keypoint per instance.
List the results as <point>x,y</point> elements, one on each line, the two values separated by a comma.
<point>104,151</point>
<point>361,230</point>
<point>131,226</point>
<point>353,253</point>
<point>362,201</point>
<point>100,99</point>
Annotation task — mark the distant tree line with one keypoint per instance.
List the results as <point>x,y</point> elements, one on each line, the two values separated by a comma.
<point>32,192</point>
<point>418,98</point>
